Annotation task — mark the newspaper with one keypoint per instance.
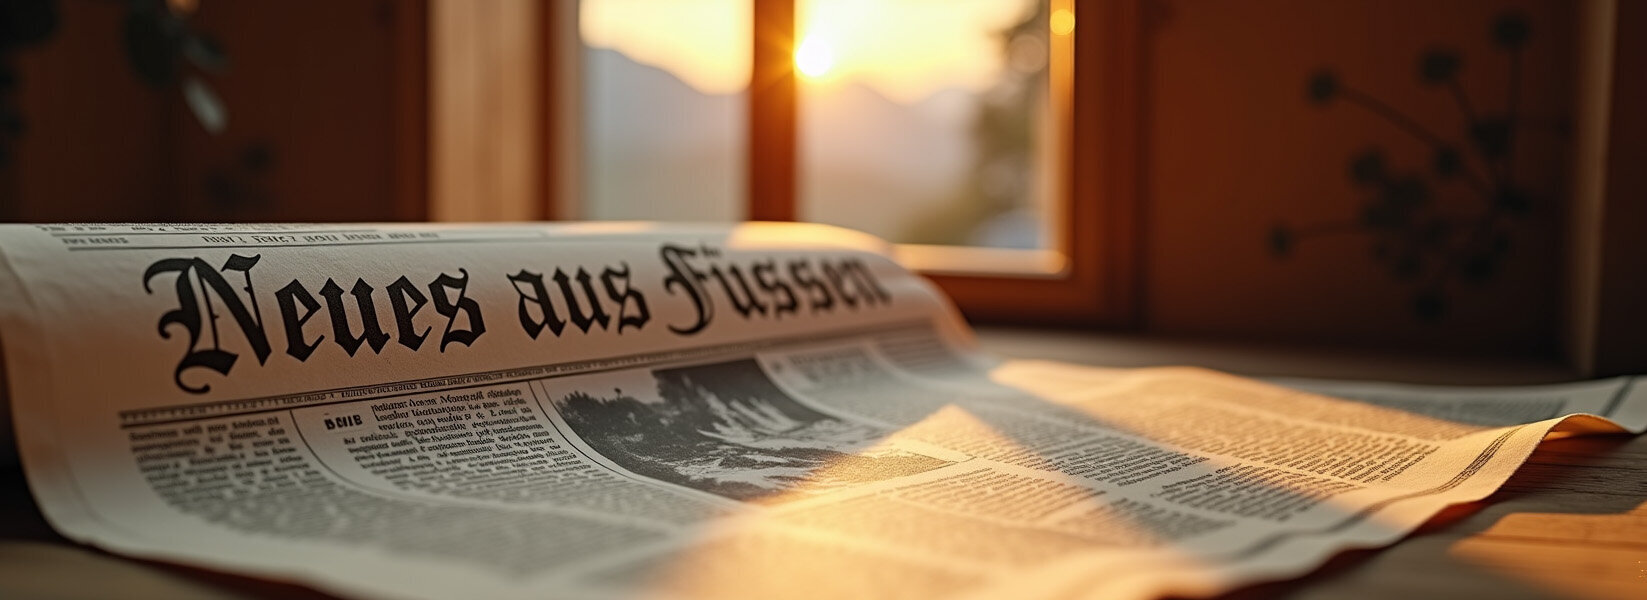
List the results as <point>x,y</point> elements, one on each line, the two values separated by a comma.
<point>630,410</point>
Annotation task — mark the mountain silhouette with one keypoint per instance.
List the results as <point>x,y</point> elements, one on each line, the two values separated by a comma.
<point>657,148</point>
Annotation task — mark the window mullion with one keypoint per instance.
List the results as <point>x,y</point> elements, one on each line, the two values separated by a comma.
<point>773,115</point>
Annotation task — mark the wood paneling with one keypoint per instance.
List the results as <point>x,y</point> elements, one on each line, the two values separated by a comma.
<point>326,118</point>
<point>1621,309</point>
<point>773,113</point>
<point>1233,145</point>
<point>96,143</point>
<point>487,151</point>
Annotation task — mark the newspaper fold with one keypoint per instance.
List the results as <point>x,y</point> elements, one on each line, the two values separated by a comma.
<point>629,410</point>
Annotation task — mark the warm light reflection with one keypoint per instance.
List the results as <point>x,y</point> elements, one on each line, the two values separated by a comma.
<point>997,492</point>
<point>814,57</point>
<point>1591,548</point>
<point>1063,21</point>
<point>1580,556</point>
<point>803,236</point>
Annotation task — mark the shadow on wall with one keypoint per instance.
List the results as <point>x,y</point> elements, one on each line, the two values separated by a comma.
<point>1418,241</point>
<point>1441,233</point>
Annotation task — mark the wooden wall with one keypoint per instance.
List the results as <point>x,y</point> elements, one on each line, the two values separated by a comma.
<point>96,142</point>
<point>1233,146</point>
<point>326,105</point>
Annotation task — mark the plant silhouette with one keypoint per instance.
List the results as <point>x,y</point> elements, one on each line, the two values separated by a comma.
<point>1412,237</point>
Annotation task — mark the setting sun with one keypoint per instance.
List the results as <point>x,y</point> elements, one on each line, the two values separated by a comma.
<point>906,50</point>
<point>814,57</point>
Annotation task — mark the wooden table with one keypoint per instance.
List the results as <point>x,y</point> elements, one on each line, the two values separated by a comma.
<point>1571,524</point>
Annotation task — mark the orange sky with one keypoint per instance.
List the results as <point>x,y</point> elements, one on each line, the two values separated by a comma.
<point>906,49</point>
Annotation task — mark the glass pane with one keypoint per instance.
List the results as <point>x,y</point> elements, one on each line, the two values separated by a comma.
<point>922,121</point>
<point>664,104</point>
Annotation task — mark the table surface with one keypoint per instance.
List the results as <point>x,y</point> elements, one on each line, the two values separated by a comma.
<point>1572,523</point>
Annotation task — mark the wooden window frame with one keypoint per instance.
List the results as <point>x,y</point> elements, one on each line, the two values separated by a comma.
<point>1097,83</point>
<point>1098,185</point>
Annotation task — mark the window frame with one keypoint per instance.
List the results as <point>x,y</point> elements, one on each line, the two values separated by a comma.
<point>1099,187</point>
<point>1098,183</point>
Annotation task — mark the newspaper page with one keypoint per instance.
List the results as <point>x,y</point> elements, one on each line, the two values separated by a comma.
<point>631,410</point>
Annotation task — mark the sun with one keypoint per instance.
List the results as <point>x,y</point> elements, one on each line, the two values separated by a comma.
<point>814,57</point>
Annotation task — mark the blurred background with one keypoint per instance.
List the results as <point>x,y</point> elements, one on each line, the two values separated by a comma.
<point>921,120</point>
<point>1455,177</point>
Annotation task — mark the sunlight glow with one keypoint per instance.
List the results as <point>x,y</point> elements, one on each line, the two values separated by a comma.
<point>909,50</point>
<point>905,49</point>
<point>814,57</point>
<point>1063,21</point>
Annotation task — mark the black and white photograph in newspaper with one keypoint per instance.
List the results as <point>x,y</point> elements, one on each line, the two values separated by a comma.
<point>727,429</point>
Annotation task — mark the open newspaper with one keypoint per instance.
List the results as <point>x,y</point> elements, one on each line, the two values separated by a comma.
<point>420,411</point>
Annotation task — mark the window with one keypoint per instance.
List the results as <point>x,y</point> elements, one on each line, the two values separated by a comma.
<point>1032,221</point>
<point>928,123</point>
<point>664,93</point>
